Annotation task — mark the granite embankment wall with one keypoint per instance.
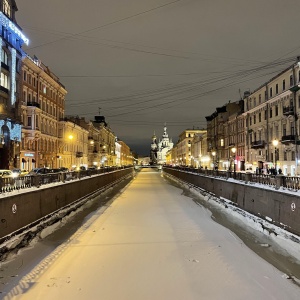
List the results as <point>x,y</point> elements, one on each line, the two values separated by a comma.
<point>282,207</point>
<point>18,211</point>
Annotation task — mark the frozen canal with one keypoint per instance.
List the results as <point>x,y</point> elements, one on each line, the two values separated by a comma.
<point>151,242</point>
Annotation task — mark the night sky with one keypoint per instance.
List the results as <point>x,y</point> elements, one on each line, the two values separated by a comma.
<point>147,62</point>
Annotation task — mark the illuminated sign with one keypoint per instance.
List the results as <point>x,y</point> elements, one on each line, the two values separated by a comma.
<point>29,154</point>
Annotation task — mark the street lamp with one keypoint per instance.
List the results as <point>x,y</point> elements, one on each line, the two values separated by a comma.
<point>213,154</point>
<point>71,138</point>
<point>233,151</point>
<point>275,144</point>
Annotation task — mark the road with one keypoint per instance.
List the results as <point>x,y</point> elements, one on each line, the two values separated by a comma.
<point>151,242</point>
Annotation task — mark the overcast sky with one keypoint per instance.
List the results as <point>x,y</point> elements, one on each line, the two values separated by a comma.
<point>147,62</point>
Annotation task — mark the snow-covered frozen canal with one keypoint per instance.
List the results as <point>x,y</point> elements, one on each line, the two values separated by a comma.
<point>152,242</point>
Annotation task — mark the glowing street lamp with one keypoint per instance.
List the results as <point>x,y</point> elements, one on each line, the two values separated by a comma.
<point>275,144</point>
<point>233,151</point>
<point>214,154</point>
<point>71,138</point>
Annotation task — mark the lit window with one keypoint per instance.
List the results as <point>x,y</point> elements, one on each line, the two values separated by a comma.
<point>4,80</point>
<point>6,8</point>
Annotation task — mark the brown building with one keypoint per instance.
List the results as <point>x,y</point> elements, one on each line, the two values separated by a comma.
<point>43,105</point>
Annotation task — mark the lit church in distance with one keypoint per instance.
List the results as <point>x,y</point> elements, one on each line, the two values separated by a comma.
<point>159,150</point>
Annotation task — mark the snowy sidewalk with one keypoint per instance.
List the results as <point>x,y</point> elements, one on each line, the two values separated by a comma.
<point>155,243</point>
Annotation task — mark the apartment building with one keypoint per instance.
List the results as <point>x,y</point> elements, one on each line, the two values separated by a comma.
<point>42,106</point>
<point>223,127</point>
<point>271,119</point>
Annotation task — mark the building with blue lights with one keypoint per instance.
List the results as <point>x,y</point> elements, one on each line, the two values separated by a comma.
<point>11,40</point>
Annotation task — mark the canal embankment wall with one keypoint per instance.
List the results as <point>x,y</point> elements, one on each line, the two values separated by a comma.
<point>280,206</point>
<point>28,207</point>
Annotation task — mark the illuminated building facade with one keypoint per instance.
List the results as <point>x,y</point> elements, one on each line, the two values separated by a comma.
<point>11,41</point>
<point>73,144</point>
<point>164,145</point>
<point>42,106</point>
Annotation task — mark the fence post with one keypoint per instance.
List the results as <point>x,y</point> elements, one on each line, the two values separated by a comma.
<point>36,180</point>
<point>248,177</point>
<point>279,181</point>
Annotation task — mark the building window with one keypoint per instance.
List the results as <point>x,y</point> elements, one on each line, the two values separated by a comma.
<point>292,129</point>
<point>29,121</point>
<point>270,112</point>
<point>259,117</point>
<point>293,155</point>
<point>254,119</point>
<point>291,80</point>
<point>4,81</point>
<point>283,85</point>
<point>284,155</point>
<point>276,89</point>
<point>271,92</point>
<point>276,110</point>
<point>284,129</point>
<point>259,99</point>
<point>4,57</point>
<point>266,114</point>
<point>24,76</point>
<point>6,8</point>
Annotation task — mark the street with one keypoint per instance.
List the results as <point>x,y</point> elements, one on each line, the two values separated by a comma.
<point>151,242</point>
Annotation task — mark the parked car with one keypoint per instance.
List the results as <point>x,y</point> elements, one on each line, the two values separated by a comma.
<point>39,171</point>
<point>6,174</point>
<point>24,173</point>
<point>16,172</point>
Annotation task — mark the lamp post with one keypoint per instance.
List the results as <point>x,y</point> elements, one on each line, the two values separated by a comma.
<point>71,138</point>
<point>213,154</point>
<point>275,144</point>
<point>233,151</point>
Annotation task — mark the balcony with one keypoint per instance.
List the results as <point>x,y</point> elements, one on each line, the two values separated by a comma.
<point>287,139</point>
<point>33,104</point>
<point>258,144</point>
<point>288,110</point>
<point>79,154</point>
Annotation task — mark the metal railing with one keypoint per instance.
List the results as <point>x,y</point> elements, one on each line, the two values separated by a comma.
<point>9,184</point>
<point>288,182</point>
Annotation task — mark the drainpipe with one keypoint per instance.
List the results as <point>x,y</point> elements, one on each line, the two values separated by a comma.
<point>267,120</point>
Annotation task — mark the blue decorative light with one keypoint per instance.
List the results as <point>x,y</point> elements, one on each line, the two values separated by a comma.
<point>15,130</point>
<point>13,76</point>
<point>9,24</point>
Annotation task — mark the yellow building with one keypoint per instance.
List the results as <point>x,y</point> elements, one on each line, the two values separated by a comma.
<point>73,145</point>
